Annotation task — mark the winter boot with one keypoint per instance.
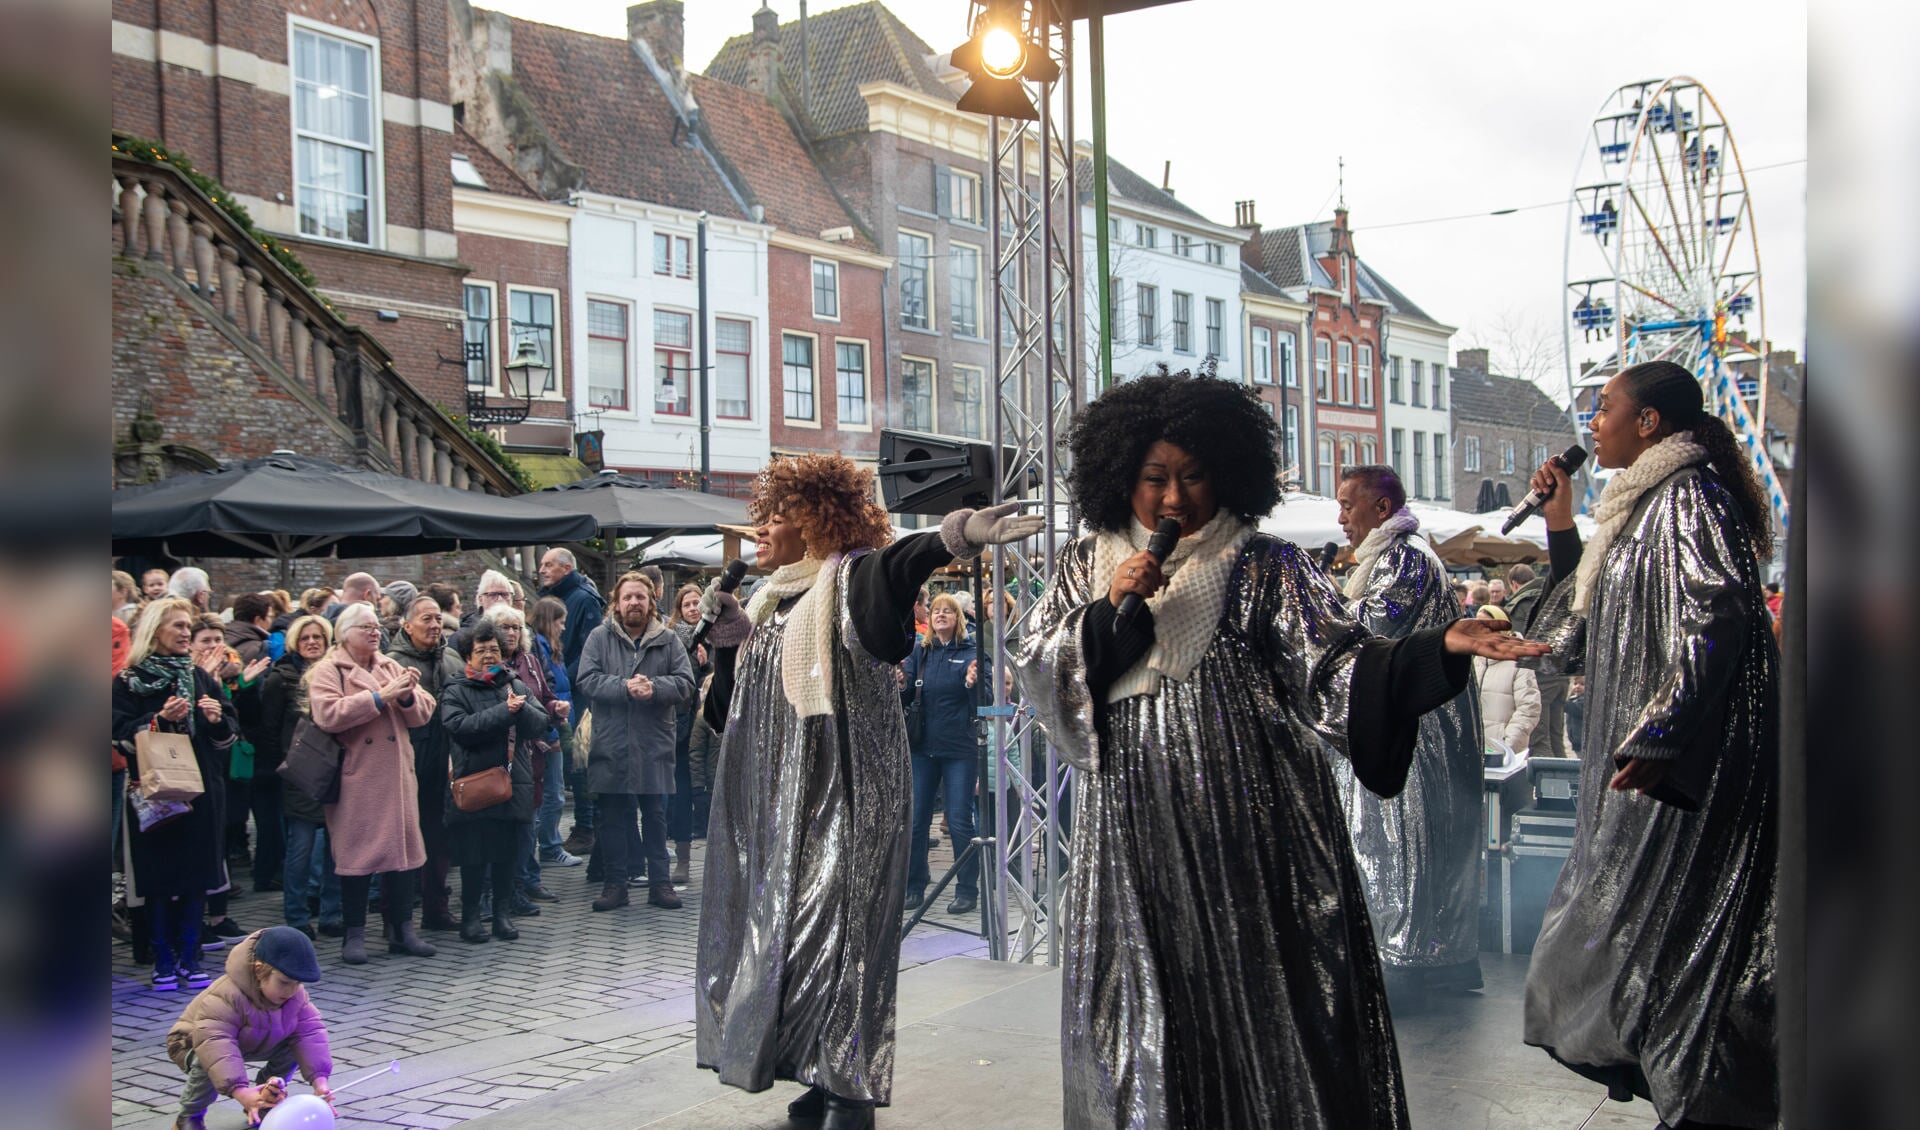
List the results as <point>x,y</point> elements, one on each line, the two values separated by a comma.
<point>403,938</point>
<point>503,927</point>
<point>810,1107</point>
<point>353,948</point>
<point>578,842</point>
<point>473,928</point>
<point>661,894</point>
<point>682,858</point>
<point>612,895</point>
<point>846,1114</point>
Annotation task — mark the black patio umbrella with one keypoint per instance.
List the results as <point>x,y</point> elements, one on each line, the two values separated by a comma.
<point>286,506</point>
<point>628,507</point>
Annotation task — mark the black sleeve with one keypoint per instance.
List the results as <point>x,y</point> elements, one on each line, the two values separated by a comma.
<point>1394,683</point>
<point>720,693</point>
<point>1563,554</point>
<point>881,589</point>
<point>1110,653</point>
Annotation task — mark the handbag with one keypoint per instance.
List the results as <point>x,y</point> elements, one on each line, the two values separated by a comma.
<point>240,762</point>
<point>484,789</point>
<point>312,764</point>
<point>916,710</point>
<point>168,769</point>
<point>149,814</point>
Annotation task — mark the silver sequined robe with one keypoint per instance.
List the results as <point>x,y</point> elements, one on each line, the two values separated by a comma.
<point>1420,851</point>
<point>806,872</point>
<point>1219,964</point>
<point>1654,965</point>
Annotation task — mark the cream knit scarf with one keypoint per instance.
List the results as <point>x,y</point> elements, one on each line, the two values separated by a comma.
<point>1186,612</point>
<point>1620,497</point>
<point>1381,538</point>
<point>806,658</point>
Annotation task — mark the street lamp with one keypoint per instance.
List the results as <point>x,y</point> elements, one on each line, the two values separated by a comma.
<point>527,372</point>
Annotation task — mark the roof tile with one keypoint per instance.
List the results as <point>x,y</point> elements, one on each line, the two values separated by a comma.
<point>760,147</point>
<point>849,47</point>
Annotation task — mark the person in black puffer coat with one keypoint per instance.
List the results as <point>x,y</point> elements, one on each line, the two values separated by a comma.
<point>491,719</point>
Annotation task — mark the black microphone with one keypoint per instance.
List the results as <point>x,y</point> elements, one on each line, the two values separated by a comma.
<point>1166,535</point>
<point>1328,552</point>
<point>729,581</point>
<point>1568,461</point>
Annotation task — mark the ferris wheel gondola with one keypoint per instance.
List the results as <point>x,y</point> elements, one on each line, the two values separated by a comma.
<point>1663,258</point>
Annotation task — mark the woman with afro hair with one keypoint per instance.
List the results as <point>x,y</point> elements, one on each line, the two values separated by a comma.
<point>1219,965</point>
<point>808,831</point>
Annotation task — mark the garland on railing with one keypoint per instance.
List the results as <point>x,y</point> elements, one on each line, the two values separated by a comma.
<point>154,153</point>
<point>491,446</point>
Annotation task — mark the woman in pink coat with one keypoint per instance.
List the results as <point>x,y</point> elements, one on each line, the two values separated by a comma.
<point>368,701</point>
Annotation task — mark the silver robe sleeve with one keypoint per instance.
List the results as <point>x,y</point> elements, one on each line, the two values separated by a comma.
<point>1051,664</point>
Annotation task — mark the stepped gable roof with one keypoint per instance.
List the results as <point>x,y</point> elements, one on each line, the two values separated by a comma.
<point>607,111</point>
<point>501,180</point>
<point>760,148</point>
<point>1476,395</point>
<point>850,47</point>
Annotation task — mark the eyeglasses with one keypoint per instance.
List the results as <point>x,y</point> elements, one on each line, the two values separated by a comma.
<point>495,595</point>
<point>365,628</point>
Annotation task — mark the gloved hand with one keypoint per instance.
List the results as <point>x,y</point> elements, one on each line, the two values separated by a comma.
<point>730,623</point>
<point>1001,525</point>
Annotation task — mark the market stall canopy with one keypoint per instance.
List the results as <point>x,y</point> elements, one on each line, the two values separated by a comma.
<point>285,506</point>
<point>628,507</point>
<point>1312,520</point>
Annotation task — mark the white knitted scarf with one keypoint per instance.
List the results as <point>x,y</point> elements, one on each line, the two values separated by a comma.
<point>1186,612</point>
<point>1618,500</point>
<point>1403,524</point>
<point>806,657</point>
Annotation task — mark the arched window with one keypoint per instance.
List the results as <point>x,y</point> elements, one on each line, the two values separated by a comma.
<point>1346,453</point>
<point>1325,479</point>
<point>1322,368</point>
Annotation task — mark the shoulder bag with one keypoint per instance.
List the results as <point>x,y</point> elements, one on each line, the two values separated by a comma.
<point>486,788</point>
<point>312,764</point>
<point>916,709</point>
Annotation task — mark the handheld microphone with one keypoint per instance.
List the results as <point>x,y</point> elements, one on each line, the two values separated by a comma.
<point>1166,535</point>
<point>1568,461</point>
<point>729,581</point>
<point>1328,552</point>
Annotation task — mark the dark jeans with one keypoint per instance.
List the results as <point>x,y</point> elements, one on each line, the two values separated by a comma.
<point>583,814</point>
<point>270,835</point>
<point>397,906</point>
<point>957,775</point>
<point>680,808</point>
<point>474,881</point>
<point>173,925</point>
<point>309,855</point>
<point>620,847</point>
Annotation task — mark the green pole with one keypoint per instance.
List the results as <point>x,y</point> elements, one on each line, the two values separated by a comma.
<point>1103,255</point>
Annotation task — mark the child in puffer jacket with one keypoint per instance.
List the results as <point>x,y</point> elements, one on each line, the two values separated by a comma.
<point>258,1010</point>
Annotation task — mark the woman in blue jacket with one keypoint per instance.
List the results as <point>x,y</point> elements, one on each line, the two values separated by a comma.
<point>937,692</point>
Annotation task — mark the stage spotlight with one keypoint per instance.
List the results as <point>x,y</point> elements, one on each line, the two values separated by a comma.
<point>1002,53</point>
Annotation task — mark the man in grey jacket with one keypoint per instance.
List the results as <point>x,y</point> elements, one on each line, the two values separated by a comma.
<point>635,673</point>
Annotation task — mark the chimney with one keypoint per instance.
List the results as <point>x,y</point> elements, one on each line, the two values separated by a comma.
<point>763,54</point>
<point>1471,359</point>
<point>1243,214</point>
<point>662,25</point>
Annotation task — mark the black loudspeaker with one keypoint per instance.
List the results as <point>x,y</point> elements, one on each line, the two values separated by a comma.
<point>929,474</point>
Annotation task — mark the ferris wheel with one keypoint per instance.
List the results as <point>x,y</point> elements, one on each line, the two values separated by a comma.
<point>1663,259</point>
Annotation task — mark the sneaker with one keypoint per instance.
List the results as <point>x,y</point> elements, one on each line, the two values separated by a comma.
<point>164,980</point>
<point>539,894</point>
<point>221,933</point>
<point>196,977</point>
<point>562,858</point>
<point>523,907</point>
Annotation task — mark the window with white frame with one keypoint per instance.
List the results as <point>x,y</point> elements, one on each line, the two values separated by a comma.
<point>478,335</point>
<point>1147,299</point>
<point>1439,385</point>
<point>1539,455</point>
<point>1345,374</point>
<point>1116,317</point>
<point>1397,451</point>
<point>1183,245</point>
<point>1216,254</point>
<point>1322,369</point>
<point>1419,383</point>
<point>850,380</point>
<point>1146,235</point>
<point>672,362</point>
<point>1396,392</point>
<point>732,369</point>
<point>1216,327</point>
<point>963,289</point>
<point>530,317</point>
<point>962,197</point>
<point>1419,464</point>
<point>1262,355</point>
<point>672,255</point>
<point>1182,322</point>
<point>826,289</point>
<point>969,386</point>
<point>1286,360</point>
<point>336,136</point>
<point>916,394</point>
<point>1325,452</point>
<point>1346,453</point>
<point>1506,457</point>
<point>1113,229</point>
<point>1440,489</point>
<point>916,254</point>
<point>1366,376</point>
<point>1470,453</point>
<point>608,350</point>
<point>1369,450</point>
<point>797,376</point>
<point>1290,441</point>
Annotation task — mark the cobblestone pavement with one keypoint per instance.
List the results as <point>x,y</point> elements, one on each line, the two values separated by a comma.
<point>476,1028</point>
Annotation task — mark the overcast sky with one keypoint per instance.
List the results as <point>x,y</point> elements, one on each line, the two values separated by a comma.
<point>1440,109</point>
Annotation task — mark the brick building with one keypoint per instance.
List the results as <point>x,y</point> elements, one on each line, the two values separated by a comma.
<point>1503,428</point>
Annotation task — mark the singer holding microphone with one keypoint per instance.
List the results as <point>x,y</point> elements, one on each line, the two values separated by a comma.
<point>1653,972</point>
<point>807,840</point>
<point>1220,967</point>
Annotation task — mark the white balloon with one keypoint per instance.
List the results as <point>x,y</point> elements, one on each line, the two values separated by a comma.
<point>299,1112</point>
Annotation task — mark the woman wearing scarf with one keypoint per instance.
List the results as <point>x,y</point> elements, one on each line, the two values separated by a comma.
<point>492,720</point>
<point>1654,968</point>
<point>807,844</point>
<point>1219,965</point>
<point>518,654</point>
<point>1419,850</point>
<point>177,862</point>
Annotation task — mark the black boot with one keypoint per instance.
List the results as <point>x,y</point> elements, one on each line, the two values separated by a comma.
<point>810,1107</point>
<point>473,928</point>
<point>915,896</point>
<point>846,1114</point>
<point>503,927</point>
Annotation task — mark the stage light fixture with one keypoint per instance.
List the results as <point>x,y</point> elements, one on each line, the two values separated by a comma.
<point>1002,52</point>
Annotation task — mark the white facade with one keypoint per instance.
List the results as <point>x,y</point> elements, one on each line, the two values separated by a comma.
<point>635,302</point>
<point>1175,278</point>
<point>1418,415</point>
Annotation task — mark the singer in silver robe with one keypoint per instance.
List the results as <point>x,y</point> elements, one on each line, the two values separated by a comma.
<point>1419,850</point>
<point>1653,972</point>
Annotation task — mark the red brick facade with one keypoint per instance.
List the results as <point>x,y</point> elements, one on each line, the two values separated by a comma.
<point>1346,410</point>
<point>790,309</point>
